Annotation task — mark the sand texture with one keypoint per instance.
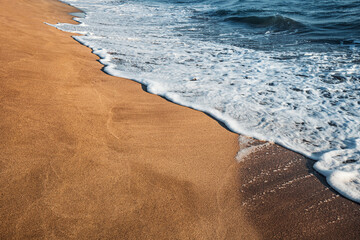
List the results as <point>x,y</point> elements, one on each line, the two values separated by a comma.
<point>286,199</point>
<point>84,155</point>
<point>88,156</point>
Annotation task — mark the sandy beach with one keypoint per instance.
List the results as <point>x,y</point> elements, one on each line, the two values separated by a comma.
<point>84,155</point>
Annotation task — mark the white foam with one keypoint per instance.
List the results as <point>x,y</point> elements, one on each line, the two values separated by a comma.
<point>255,93</point>
<point>247,147</point>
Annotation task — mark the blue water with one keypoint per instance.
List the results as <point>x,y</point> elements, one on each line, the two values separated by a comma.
<point>281,71</point>
<point>275,25</point>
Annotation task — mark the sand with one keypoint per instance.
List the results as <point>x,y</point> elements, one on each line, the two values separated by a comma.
<point>84,155</point>
<point>88,156</point>
<point>285,198</point>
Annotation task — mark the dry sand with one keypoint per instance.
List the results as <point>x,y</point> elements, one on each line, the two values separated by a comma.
<point>84,155</point>
<point>88,156</point>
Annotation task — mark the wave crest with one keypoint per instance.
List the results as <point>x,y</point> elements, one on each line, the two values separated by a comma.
<point>277,22</point>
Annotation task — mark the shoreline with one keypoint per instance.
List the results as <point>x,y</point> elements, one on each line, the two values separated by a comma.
<point>178,181</point>
<point>225,120</point>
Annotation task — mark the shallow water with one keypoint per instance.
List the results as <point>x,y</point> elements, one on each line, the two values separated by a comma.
<point>286,72</point>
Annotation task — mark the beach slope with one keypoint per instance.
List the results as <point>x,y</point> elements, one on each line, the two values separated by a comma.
<point>84,155</point>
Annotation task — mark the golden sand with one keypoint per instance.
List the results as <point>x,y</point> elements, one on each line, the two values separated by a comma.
<point>88,156</point>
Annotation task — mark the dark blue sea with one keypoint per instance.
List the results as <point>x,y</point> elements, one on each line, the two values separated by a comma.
<point>290,25</point>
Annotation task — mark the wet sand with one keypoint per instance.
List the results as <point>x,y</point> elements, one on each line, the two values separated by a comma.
<point>84,155</point>
<point>285,198</point>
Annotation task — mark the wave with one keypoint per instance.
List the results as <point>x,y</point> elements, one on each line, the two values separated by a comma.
<point>333,20</point>
<point>277,22</point>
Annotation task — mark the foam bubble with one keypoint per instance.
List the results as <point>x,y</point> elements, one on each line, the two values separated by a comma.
<point>248,146</point>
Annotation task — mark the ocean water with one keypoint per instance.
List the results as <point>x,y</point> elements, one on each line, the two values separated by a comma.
<point>284,71</point>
